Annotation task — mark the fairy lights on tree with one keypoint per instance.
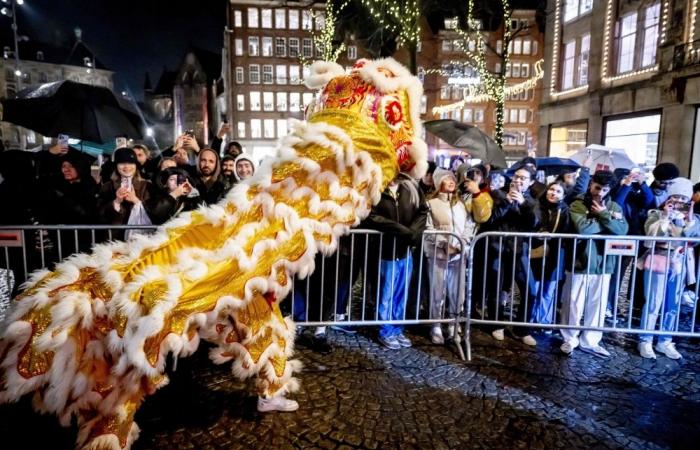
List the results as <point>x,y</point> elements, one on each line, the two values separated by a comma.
<point>324,39</point>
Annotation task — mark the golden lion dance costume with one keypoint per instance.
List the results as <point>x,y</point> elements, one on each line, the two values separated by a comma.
<point>90,339</point>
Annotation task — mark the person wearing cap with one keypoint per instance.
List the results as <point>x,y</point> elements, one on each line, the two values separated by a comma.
<point>663,173</point>
<point>245,167</point>
<point>447,214</point>
<point>125,190</point>
<point>585,291</point>
<point>664,265</point>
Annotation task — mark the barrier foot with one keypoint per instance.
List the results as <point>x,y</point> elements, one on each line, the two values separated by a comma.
<point>458,339</point>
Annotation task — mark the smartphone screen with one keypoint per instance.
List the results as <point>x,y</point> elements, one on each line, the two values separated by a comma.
<point>63,140</point>
<point>121,142</point>
<point>126,183</point>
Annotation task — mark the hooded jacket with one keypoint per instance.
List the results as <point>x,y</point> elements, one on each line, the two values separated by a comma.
<point>166,206</point>
<point>243,157</point>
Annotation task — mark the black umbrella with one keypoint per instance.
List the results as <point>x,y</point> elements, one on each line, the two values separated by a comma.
<point>551,165</point>
<point>82,111</point>
<point>474,141</point>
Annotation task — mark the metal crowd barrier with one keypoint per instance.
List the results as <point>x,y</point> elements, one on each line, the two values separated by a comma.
<point>344,290</point>
<point>505,263</point>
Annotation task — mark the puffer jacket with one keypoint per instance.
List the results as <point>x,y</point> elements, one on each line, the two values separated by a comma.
<point>450,215</point>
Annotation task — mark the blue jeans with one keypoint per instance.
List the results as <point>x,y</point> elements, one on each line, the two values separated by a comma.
<point>660,295</point>
<point>395,276</point>
<point>543,306</point>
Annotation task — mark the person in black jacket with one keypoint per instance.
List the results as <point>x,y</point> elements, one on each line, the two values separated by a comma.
<point>401,215</point>
<point>211,187</point>
<point>176,195</point>
<point>513,210</point>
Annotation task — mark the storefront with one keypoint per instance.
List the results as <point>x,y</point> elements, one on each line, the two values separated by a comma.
<point>567,139</point>
<point>637,134</point>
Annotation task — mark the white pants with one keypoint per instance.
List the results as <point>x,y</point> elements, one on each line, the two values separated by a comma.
<point>444,282</point>
<point>584,296</point>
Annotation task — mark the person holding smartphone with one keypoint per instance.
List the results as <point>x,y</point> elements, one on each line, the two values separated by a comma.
<point>176,195</point>
<point>125,190</point>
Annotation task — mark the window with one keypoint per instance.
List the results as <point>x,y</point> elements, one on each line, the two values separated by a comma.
<point>522,116</point>
<point>238,44</point>
<point>252,17</point>
<point>240,102</point>
<point>306,72</point>
<point>266,18</point>
<point>254,74</point>
<point>639,136</point>
<point>268,101</point>
<point>293,19</point>
<point>651,35</point>
<point>518,46</point>
<point>444,92</point>
<point>267,74</point>
<point>513,115</point>
<point>565,140</point>
<point>505,115</point>
<point>253,45</point>
<point>446,45</point>
<point>281,127</point>
<point>583,60</point>
<point>280,19</point>
<point>456,114</point>
<point>294,74</point>
<point>479,115</point>
<point>237,19</point>
<point>281,46</point>
<point>418,46</point>
<point>255,129</point>
<point>281,101</point>
<point>515,71</point>
<point>508,65</point>
<point>240,75</point>
<point>467,115</point>
<point>567,81</point>
<point>307,48</point>
<point>627,28</point>
<point>499,46</point>
<point>576,8</point>
<point>525,70</point>
<point>320,20</point>
<point>269,128</point>
<point>294,47</point>
<point>294,101</point>
<point>306,16</point>
<point>241,129</point>
<point>281,74</point>
<point>43,78</point>
<point>267,46</point>
<point>497,68</point>
<point>524,96</point>
<point>352,52</point>
<point>423,104</point>
<point>307,98</point>
<point>534,47</point>
<point>254,100</point>
<point>527,47</point>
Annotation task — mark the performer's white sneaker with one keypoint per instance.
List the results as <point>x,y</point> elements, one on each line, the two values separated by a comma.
<point>278,403</point>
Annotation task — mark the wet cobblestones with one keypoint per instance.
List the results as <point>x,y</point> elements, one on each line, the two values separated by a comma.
<point>363,396</point>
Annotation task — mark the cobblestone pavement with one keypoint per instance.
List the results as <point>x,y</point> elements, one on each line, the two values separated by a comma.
<point>363,396</point>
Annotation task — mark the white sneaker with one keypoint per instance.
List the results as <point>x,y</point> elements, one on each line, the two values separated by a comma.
<point>668,348</point>
<point>688,299</point>
<point>529,340</point>
<point>450,331</point>
<point>646,351</point>
<point>566,348</point>
<point>598,350</point>
<point>278,403</point>
<point>436,335</point>
<point>498,334</point>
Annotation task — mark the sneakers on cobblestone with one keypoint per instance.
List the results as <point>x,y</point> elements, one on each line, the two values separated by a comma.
<point>498,334</point>
<point>669,349</point>
<point>566,348</point>
<point>529,340</point>
<point>404,341</point>
<point>646,351</point>
<point>596,351</point>
<point>390,342</point>
<point>436,335</point>
<point>279,403</point>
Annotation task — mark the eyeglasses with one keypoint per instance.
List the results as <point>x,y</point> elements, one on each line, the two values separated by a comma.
<point>521,177</point>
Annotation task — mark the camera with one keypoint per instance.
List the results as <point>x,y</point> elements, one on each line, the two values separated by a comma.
<point>181,179</point>
<point>189,133</point>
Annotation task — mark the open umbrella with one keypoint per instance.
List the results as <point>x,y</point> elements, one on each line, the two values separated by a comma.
<point>474,141</point>
<point>79,110</point>
<point>604,158</point>
<point>551,165</point>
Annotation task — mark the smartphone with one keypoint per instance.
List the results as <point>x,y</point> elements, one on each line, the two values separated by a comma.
<point>224,119</point>
<point>63,140</point>
<point>181,179</point>
<point>189,133</point>
<point>121,142</point>
<point>126,183</point>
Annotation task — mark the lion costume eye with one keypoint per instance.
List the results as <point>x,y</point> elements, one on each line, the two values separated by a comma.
<point>392,112</point>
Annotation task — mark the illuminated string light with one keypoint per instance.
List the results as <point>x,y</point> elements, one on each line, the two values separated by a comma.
<point>555,48</point>
<point>398,17</point>
<point>324,39</point>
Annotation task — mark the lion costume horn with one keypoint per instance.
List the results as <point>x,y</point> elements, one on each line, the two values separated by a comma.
<point>90,338</point>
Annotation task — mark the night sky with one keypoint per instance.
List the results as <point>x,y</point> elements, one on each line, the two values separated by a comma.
<point>131,37</point>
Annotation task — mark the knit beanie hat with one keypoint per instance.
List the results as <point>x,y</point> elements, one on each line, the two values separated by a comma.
<point>441,175</point>
<point>680,186</point>
<point>125,155</point>
<point>665,171</point>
